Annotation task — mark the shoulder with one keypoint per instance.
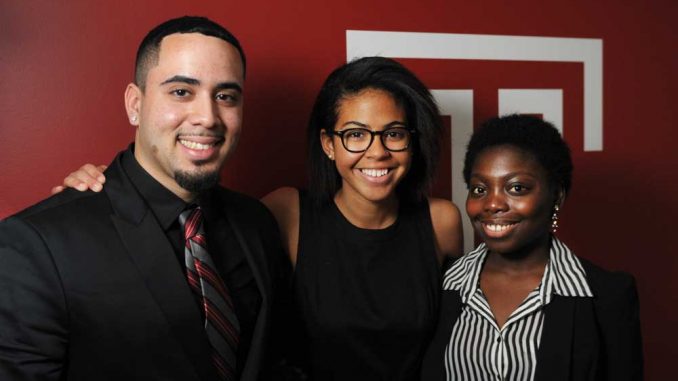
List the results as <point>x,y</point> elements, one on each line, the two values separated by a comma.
<point>614,291</point>
<point>285,205</point>
<point>443,212</point>
<point>16,234</point>
<point>71,205</point>
<point>446,221</point>
<point>249,215</point>
<point>604,282</point>
<point>241,205</point>
<point>66,217</point>
<point>65,207</point>
<point>282,200</point>
<point>256,223</point>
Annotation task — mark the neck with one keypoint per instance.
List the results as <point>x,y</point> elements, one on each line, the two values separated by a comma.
<point>367,214</point>
<point>528,259</point>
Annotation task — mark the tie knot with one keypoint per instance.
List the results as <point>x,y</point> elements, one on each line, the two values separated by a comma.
<point>191,221</point>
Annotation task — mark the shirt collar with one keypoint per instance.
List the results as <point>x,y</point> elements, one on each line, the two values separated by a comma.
<point>165,205</point>
<point>464,274</point>
<point>564,274</point>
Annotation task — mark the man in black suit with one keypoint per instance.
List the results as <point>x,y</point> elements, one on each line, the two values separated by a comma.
<point>94,286</point>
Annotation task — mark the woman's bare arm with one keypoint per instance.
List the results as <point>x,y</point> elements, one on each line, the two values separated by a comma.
<point>284,204</point>
<point>449,237</point>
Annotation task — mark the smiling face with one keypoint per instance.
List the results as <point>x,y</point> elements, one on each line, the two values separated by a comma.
<point>374,174</point>
<point>510,202</point>
<point>189,113</point>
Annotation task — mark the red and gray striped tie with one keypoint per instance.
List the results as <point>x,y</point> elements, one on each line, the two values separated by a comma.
<point>221,322</point>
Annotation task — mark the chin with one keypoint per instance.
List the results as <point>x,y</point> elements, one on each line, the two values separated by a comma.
<point>495,245</point>
<point>513,248</point>
<point>379,196</point>
<point>197,181</point>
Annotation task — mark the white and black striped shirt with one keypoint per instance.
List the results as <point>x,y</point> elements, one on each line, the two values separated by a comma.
<point>478,349</point>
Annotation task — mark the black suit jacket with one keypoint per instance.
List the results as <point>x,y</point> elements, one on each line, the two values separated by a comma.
<point>90,289</point>
<point>582,339</point>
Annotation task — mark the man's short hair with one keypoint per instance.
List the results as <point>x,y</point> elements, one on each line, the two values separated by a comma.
<point>149,49</point>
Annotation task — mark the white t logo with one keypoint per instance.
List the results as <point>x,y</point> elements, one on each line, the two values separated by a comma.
<point>458,103</point>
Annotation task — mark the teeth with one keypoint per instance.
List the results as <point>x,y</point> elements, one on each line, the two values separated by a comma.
<point>374,172</point>
<point>194,145</point>
<point>497,227</point>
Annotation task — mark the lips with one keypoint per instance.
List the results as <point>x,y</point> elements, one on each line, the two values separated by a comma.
<point>374,172</point>
<point>199,147</point>
<point>495,229</point>
<point>195,145</point>
<point>376,176</point>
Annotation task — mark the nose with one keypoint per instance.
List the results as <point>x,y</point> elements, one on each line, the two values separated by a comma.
<point>204,112</point>
<point>495,201</point>
<point>376,150</point>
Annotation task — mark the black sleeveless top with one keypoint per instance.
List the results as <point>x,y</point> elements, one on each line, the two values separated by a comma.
<point>367,299</point>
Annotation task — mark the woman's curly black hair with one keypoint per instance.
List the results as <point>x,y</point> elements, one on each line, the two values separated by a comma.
<point>530,134</point>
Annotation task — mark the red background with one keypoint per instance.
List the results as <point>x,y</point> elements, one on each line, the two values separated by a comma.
<point>64,66</point>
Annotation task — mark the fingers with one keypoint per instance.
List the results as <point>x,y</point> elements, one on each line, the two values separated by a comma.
<point>95,172</point>
<point>87,177</point>
<point>74,181</point>
<point>57,189</point>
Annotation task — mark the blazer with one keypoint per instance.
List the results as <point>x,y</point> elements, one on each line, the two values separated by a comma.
<point>582,339</point>
<point>90,289</point>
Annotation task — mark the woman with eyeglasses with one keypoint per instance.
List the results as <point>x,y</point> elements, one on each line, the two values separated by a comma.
<point>522,306</point>
<point>365,240</point>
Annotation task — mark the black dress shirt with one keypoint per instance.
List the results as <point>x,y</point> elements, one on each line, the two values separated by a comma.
<point>223,247</point>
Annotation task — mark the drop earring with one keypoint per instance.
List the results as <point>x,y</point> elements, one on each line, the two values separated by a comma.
<point>554,219</point>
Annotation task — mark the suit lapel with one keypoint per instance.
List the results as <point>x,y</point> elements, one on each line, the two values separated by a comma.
<point>254,252</point>
<point>555,351</point>
<point>249,240</point>
<point>433,366</point>
<point>151,252</point>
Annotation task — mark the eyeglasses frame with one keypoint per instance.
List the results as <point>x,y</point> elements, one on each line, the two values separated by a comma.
<point>340,134</point>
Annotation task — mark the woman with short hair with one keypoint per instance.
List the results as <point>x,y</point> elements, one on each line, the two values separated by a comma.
<point>522,306</point>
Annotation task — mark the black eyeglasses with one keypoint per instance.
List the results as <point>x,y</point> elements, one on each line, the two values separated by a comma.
<point>356,140</point>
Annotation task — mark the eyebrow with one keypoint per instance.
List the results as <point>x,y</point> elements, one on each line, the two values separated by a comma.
<point>181,79</point>
<point>363,125</point>
<point>229,86</point>
<point>195,82</point>
<point>506,176</point>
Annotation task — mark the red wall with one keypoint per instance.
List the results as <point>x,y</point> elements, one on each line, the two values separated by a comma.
<point>64,66</point>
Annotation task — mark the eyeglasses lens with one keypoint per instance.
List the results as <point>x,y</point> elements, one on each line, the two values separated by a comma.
<point>360,139</point>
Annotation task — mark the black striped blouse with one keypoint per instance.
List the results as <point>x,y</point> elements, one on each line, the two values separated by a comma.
<point>478,349</point>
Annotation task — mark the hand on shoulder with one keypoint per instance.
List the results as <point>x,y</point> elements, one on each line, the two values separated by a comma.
<point>86,177</point>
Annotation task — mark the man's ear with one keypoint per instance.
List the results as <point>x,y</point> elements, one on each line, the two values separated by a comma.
<point>327,143</point>
<point>133,98</point>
